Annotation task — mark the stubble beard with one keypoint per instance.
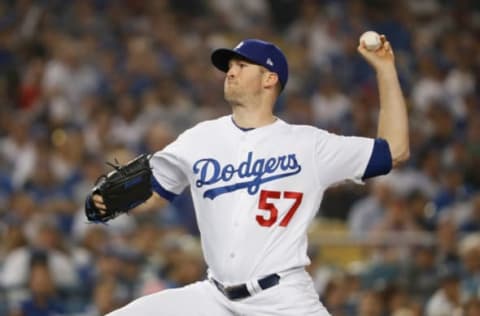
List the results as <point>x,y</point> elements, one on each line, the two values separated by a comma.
<point>232,97</point>
<point>236,97</point>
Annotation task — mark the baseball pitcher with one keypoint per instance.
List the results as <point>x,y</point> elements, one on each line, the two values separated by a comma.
<point>256,183</point>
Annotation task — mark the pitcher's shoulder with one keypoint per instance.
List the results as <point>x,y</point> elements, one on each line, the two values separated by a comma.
<point>303,129</point>
<point>206,126</point>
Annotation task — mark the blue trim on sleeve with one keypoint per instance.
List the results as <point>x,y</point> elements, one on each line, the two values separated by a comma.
<point>157,187</point>
<point>380,161</point>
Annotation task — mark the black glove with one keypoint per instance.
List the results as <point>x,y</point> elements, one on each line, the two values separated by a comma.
<point>122,189</point>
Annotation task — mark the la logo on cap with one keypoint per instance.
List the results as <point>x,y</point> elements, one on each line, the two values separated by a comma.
<point>269,62</point>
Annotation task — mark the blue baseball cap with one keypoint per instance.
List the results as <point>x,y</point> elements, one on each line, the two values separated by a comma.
<point>258,52</point>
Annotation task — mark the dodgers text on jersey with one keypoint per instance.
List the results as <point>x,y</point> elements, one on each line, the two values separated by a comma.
<point>261,170</point>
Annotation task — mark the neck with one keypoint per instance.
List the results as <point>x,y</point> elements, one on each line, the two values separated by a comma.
<point>253,113</point>
<point>248,118</point>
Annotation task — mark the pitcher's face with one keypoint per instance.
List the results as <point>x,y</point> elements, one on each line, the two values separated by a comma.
<point>243,79</point>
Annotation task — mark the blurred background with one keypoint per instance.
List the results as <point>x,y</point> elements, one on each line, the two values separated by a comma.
<point>83,82</point>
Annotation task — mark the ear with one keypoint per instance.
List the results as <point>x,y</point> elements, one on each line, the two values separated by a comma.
<point>270,80</point>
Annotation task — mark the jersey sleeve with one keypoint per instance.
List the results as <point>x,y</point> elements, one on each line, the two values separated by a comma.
<point>341,158</point>
<point>169,170</point>
<point>380,162</point>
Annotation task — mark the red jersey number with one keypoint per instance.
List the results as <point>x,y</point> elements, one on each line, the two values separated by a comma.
<point>266,204</point>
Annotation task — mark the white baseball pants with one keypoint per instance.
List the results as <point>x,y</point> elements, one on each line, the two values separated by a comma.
<point>294,295</point>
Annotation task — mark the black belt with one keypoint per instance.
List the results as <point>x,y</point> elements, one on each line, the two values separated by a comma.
<point>240,291</point>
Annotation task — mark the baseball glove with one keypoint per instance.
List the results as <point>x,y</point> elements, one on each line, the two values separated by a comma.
<point>122,189</point>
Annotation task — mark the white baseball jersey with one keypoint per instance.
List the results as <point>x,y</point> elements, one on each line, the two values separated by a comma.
<point>255,192</point>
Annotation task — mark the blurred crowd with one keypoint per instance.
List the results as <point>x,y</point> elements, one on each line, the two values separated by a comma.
<point>88,81</point>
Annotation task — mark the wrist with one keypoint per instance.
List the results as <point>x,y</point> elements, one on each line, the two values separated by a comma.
<point>387,68</point>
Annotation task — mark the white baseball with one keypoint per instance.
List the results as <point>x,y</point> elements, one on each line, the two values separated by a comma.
<point>371,39</point>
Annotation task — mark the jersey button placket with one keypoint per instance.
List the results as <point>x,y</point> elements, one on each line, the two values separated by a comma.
<point>243,150</point>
